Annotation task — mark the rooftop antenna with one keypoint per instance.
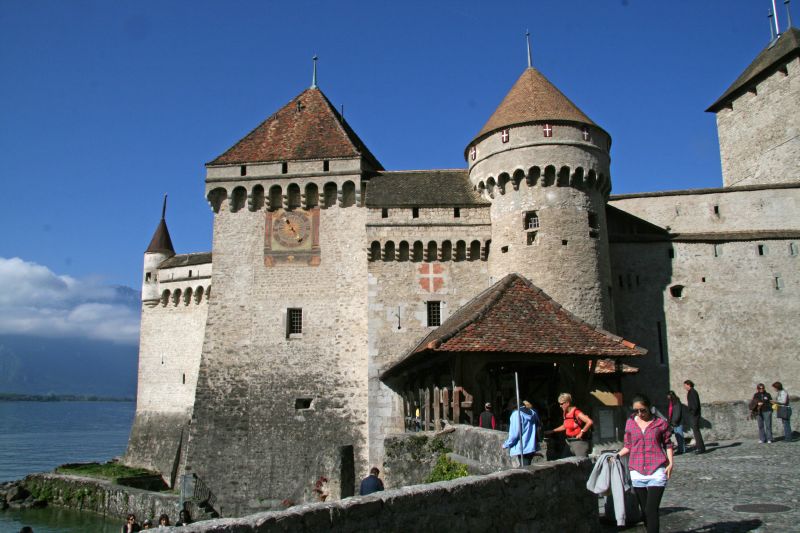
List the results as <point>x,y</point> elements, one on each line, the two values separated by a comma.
<point>314,78</point>
<point>528,41</point>
<point>788,13</point>
<point>164,207</point>
<point>771,27</point>
<point>777,25</point>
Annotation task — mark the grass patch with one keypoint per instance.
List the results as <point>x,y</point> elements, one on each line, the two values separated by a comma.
<point>110,471</point>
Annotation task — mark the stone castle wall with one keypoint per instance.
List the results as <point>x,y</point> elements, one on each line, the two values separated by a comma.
<point>759,136</point>
<point>253,441</point>
<point>171,339</point>
<point>400,289</point>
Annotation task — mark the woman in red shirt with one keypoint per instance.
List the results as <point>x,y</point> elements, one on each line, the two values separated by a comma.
<point>647,441</point>
<point>576,426</point>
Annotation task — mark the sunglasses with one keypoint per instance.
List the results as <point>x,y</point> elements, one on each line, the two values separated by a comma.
<point>641,410</point>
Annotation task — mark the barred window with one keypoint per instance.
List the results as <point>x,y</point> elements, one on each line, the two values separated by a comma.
<point>294,322</point>
<point>434,314</point>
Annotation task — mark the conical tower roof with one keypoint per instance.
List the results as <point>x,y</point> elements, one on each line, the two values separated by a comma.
<point>306,128</point>
<point>533,98</point>
<point>161,242</point>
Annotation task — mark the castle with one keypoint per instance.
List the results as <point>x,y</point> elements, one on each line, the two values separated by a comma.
<point>269,367</point>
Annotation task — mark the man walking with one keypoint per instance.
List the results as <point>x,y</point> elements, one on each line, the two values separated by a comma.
<point>371,483</point>
<point>693,404</point>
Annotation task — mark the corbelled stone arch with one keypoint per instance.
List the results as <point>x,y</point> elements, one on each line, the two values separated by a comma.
<point>293,200</point>
<point>576,180</point>
<point>502,181</point>
<point>491,185</point>
<point>256,200</point>
<point>238,198</point>
<point>549,176</point>
<point>563,177</point>
<point>418,252</point>
<point>431,252</point>
<point>461,251</point>
<point>388,251</point>
<point>176,297</point>
<point>375,251</point>
<point>475,250</point>
<point>216,197</point>
<point>164,298</point>
<point>187,296</point>
<point>591,178</point>
<point>312,195</point>
<point>482,188</point>
<point>517,178</point>
<point>533,176</point>
<point>208,293</point>
<point>329,191</point>
<point>275,197</point>
<point>198,294</point>
<point>402,253</point>
<point>446,253</point>
<point>348,194</point>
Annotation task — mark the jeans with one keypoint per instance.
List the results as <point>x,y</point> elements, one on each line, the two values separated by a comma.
<point>680,439</point>
<point>787,429</point>
<point>764,419</point>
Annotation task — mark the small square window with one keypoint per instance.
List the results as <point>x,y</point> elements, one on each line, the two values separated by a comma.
<point>326,166</point>
<point>778,283</point>
<point>434,314</point>
<point>716,211</point>
<point>243,170</point>
<point>793,248</point>
<point>531,220</point>
<point>148,276</point>
<point>564,242</point>
<point>456,212</point>
<point>671,253</point>
<point>762,249</point>
<point>717,250</point>
<point>190,273</point>
<point>504,249</point>
<point>531,237</point>
<point>384,213</point>
<point>284,168</point>
<point>415,212</point>
<point>302,403</point>
<point>294,321</point>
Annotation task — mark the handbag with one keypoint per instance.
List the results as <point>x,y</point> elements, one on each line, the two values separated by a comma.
<point>784,412</point>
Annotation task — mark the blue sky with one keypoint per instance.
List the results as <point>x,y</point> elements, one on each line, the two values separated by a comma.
<point>105,106</point>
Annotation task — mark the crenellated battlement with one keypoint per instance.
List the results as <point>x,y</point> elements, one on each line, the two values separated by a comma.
<point>288,194</point>
<point>577,177</point>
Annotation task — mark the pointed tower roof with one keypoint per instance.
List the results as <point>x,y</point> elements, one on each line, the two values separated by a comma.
<point>533,98</point>
<point>787,45</point>
<point>308,127</point>
<point>161,242</point>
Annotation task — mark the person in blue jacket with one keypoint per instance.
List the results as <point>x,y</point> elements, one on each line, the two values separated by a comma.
<point>530,426</point>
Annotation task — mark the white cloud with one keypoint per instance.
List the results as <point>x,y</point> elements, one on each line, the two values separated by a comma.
<point>36,301</point>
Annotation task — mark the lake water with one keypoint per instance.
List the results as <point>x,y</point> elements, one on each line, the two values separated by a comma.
<point>38,436</point>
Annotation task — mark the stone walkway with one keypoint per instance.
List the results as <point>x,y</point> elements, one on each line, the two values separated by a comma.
<point>704,489</point>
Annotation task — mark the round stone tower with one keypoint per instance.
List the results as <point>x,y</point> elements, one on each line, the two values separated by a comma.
<point>544,165</point>
<point>159,250</point>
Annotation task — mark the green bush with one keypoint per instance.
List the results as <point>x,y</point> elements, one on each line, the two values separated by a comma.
<point>446,469</point>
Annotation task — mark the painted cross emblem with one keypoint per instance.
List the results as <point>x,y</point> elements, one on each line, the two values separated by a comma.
<point>548,130</point>
<point>585,133</point>
<point>504,135</point>
<point>473,152</point>
<point>431,277</point>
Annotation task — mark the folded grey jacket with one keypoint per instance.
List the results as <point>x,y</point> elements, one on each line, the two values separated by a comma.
<point>610,474</point>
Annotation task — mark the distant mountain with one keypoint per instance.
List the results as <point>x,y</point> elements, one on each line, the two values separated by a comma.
<point>39,365</point>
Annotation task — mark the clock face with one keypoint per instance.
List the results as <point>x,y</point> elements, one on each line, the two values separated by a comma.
<point>291,229</point>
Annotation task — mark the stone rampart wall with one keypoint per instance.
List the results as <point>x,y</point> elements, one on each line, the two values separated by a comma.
<point>546,497</point>
<point>102,497</point>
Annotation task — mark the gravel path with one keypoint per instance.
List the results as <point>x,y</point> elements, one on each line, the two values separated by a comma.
<point>705,489</point>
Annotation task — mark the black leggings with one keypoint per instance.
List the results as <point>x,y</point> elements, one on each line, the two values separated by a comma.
<point>649,500</point>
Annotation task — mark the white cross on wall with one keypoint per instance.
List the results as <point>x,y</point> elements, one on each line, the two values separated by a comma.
<point>504,136</point>
<point>548,130</point>
<point>585,134</point>
<point>473,152</point>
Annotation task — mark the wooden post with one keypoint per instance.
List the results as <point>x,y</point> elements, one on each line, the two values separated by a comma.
<point>427,409</point>
<point>437,407</point>
<point>457,405</point>
<point>446,403</point>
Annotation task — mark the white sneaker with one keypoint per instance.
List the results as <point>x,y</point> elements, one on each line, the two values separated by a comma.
<point>769,442</point>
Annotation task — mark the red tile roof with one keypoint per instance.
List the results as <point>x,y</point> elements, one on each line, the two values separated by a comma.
<point>533,98</point>
<point>307,128</point>
<point>515,316</point>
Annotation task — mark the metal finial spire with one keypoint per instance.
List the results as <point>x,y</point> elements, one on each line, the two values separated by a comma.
<point>164,208</point>
<point>788,14</point>
<point>777,25</point>
<point>771,27</point>
<point>314,78</point>
<point>528,41</point>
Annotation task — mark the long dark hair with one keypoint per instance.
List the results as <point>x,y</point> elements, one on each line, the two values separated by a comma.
<point>672,396</point>
<point>642,399</point>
